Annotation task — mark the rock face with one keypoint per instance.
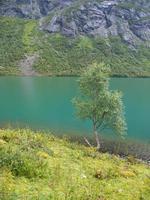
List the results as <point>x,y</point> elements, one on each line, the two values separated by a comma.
<point>30,8</point>
<point>128,19</point>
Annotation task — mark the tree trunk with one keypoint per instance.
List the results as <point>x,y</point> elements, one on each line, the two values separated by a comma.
<point>98,145</point>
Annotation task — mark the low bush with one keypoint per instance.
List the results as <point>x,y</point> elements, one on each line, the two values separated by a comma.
<point>41,166</point>
<point>23,164</point>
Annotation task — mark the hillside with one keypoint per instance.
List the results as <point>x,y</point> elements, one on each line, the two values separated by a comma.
<point>41,166</point>
<point>69,35</point>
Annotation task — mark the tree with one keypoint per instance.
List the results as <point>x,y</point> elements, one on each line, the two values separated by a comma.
<point>98,103</point>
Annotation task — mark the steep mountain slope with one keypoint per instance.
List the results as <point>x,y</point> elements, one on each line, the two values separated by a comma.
<point>128,19</point>
<point>31,8</point>
<point>107,18</point>
<point>113,31</point>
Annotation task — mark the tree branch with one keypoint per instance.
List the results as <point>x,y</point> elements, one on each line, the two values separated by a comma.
<point>102,121</point>
<point>87,142</point>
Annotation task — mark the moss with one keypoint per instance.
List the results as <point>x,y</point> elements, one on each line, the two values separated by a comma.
<point>71,172</point>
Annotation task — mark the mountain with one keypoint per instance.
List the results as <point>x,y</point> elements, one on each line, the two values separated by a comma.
<point>86,23</point>
<point>129,20</point>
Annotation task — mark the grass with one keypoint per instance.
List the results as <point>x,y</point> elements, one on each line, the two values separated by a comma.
<point>59,55</point>
<point>16,40</point>
<point>41,166</point>
<point>11,41</point>
<point>29,36</point>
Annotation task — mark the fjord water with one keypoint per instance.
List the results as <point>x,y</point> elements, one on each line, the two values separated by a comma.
<point>45,103</point>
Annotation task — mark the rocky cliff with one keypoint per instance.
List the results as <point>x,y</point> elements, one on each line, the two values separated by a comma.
<point>128,19</point>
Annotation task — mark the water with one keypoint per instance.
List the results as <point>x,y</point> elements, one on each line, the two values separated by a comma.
<point>44,102</point>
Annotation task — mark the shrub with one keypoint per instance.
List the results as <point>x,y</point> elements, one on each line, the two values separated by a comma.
<point>107,173</point>
<point>7,186</point>
<point>24,164</point>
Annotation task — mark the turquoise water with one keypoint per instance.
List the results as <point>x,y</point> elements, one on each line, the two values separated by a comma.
<point>44,102</point>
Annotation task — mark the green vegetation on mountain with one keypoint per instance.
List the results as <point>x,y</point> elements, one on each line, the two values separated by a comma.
<point>16,40</point>
<point>60,55</point>
<point>11,46</point>
<point>34,165</point>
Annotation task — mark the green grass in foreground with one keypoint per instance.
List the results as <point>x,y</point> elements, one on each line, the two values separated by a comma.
<point>40,166</point>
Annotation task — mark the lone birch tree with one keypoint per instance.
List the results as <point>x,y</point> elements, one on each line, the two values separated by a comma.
<point>98,103</point>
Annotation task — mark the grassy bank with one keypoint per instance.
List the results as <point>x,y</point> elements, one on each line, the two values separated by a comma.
<point>39,166</point>
<point>59,55</point>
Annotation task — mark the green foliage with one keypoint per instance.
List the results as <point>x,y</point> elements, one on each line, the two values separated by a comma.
<point>10,41</point>
<point>16,39</point>
<point>59,55</point>
<point>26,158</point>
<point>99,104</point>
<point>65,56</point>
<point>23,164</point>
<point>72,171</point>
<point>7,185</point>
<point>29,36</point>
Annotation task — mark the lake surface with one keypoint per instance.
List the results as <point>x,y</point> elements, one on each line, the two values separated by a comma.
<point>44,102</point>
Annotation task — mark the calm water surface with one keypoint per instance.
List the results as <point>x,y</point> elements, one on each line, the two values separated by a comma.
<point>43,102</point>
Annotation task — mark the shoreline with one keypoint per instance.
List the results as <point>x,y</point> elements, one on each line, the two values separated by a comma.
<point>135,150</point>
<point>124,148</point>
<point>67,76</point>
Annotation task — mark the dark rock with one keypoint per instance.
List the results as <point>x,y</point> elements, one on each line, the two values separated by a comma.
<point>128,19</point>
<point>31,8</point>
